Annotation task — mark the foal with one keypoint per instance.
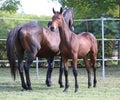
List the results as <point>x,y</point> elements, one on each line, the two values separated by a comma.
<point>74,46</point>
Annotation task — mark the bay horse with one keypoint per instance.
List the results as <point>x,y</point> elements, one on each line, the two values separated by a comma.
<point>36,41</point>
<point>75,46</point>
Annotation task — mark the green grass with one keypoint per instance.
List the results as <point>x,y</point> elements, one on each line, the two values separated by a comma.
<point>107,89</point>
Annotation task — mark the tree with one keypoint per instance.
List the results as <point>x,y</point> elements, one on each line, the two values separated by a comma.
<point>92,8</point>
<point>10,5</point>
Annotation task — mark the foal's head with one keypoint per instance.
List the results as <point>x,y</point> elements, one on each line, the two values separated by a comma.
<point>57,19</point>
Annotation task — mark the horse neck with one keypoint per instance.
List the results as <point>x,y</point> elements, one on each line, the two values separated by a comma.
<point>65,33</point>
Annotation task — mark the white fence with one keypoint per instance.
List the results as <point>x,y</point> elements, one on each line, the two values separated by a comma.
<point>103,39</point>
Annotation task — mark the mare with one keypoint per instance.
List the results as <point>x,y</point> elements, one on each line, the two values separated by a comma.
<point>68,15</point>
<point>75,46</point>
<point>36,41</point>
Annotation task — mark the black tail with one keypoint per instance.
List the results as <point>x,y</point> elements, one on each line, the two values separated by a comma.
<point>10,43</point>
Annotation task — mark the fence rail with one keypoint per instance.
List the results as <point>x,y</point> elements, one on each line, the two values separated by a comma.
<point>103,39</point>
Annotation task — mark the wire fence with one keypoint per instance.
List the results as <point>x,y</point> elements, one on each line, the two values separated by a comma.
<point>96,26</point>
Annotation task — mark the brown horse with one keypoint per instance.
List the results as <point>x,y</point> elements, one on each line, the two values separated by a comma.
<point>75,46</point>
<point>36,41</point>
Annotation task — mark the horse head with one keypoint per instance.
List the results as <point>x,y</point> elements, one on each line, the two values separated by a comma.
<point>57,19</point>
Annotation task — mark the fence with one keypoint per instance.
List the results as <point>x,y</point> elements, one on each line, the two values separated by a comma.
<point>101,28</point>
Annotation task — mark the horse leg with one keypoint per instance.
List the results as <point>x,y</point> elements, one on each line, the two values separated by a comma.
<point>30,58</point>
<point>88,70</point>
<point>20,68</point>
<point>49,71</point>
<point>20,55</point>
<point>75,72</point>
<point>66,74</point>
<point>94,69</point>
<point>61,73</point>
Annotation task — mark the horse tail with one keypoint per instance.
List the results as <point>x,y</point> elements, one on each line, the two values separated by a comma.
<point>10,43</point>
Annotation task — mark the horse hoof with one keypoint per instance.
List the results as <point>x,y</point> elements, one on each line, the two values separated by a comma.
<point>61,86</point>
<point>76,90</point>
<point>94,86</point>
<point>48,83</point>
<point>65,90</point>
<point>25,87</point>
<point>89,86</point>
<point>29,88</point>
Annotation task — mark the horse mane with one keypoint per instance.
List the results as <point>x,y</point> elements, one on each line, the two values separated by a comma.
<point>69,17</point>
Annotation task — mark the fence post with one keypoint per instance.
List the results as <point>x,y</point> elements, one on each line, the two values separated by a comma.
<point>103,58</point>
<point>37,68</point>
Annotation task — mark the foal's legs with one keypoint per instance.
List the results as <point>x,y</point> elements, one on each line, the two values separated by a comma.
<point>49,71</point>
<point>88,70</point>
<point>61,73</point>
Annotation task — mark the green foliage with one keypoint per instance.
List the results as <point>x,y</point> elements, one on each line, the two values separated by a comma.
<point>10,5</point>
<point>109,45</point>
<point>16,19</point>
<point>93,8</point>
<point>95,27</point>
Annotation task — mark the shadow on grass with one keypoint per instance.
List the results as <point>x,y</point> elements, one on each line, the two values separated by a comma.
<point>16,87</point>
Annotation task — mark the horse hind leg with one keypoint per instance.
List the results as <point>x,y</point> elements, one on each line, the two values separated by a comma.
<point>21,68</point>
<point>29,60</point>
<point>88,70</point>
<point>93,59</point>
<point>30,57</point>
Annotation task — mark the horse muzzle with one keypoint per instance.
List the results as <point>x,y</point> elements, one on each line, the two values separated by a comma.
<point>52,28</point>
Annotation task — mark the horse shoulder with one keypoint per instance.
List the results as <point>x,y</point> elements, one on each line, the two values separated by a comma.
<point>74,42</point>
<point>52,39</point>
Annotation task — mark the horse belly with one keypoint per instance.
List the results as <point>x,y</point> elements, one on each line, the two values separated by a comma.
<point>83,52</point>
<point>44,53</point>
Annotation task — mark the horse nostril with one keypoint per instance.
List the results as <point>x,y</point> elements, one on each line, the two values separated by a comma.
<point>52,28</point>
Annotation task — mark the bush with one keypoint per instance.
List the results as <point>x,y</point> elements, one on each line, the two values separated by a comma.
<point>109,45</point>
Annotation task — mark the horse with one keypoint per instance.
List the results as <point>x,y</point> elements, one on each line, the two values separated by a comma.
<point>69,16</point>
<point>75,46</point>
<point>36,41</point>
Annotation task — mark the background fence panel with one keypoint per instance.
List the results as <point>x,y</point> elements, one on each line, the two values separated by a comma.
<point>106,31</point>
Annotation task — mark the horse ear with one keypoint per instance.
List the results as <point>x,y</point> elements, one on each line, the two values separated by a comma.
<point>53,11</point>
<point>61,10</point>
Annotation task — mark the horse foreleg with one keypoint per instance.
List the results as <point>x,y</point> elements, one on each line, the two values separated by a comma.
<point>88,70</point>
<point>61,73</point>
<point>49,71</point>
<point>75,72</point>
<point>66,75</point>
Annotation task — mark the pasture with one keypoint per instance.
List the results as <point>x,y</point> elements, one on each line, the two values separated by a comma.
<point>107,89</point>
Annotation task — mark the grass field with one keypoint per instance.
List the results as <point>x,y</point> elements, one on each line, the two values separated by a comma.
<point>107,89</point>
